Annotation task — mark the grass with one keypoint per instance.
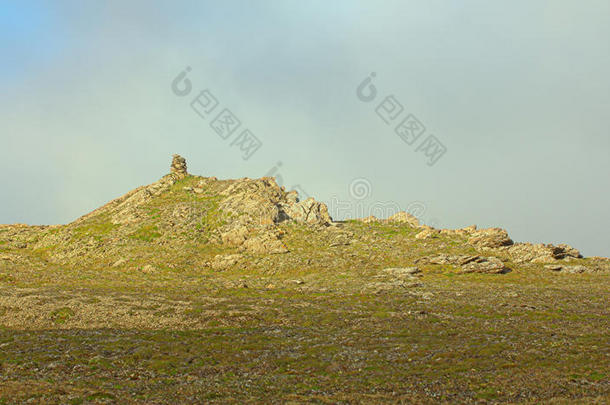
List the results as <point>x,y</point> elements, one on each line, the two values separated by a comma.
<point>61,315</point>
<point>97,228</point>
<point>146,233</point>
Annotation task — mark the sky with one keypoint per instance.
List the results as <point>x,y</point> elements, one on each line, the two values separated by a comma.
<point>513,99</point>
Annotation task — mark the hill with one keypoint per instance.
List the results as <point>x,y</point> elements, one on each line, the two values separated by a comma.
<point>199,289</point>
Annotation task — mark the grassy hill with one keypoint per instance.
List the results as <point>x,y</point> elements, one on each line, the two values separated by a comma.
<point>194,289</point>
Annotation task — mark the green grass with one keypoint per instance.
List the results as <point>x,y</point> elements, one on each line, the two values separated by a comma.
<point>95,229</point>
<point>62,315</point>
<point>146,233</point>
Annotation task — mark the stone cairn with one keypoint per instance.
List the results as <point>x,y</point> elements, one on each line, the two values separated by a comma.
<point>178,166</point>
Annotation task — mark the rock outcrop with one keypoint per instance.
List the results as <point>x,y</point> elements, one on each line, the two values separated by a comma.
<point>541,253</point>
<point>192,214</point>
<point>490,238</point>
<point>467,263</point>
<point>485,265</point>
<point>309,211</point>
<point>404,218</point>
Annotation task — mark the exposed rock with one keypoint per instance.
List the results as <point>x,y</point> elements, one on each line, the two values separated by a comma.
<point>468,263</point>
<point>235,236</point>
<point>309,211</point>
<point>427,234</point>
<point>267,242</point>
<point>223,262</point>
<point>263,202</point>
<point>569,251</point>
<point>119,262</point>
<point>178,166</point>
<point>443,259</point>
<point>255,202</point>
<point>541,253</point>
<point>402,271</point>
<point>576,269</point>
<point>368,220</point>
<point>490,238</point>
<point>149,269</point>
<point>486,265</point>
<point>404,218</point>
<point>292,197</point>
<point>467,231</point>
<point>569,269</point>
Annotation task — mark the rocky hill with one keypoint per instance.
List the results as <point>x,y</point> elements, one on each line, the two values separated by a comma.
<point>194,221</point>
<point>199,290</point>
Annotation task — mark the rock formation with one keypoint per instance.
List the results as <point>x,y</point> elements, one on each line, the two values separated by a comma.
<point>178,166</point>
<point>257,216</point>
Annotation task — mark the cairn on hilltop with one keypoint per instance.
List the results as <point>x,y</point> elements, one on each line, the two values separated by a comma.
<point>178,166</point>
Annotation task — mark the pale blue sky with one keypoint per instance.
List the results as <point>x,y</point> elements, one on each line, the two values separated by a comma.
<point>517,91</point>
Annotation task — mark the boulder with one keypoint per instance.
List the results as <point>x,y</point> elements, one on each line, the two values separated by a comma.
<point>490,238</point>
<point>309,211</point>
<point>235,236</point>
<point>223,262</point>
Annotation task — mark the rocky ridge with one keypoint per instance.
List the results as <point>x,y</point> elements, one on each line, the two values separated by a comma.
<point>257,217</point>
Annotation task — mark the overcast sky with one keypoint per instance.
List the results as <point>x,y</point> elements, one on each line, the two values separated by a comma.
<point>517,93</point>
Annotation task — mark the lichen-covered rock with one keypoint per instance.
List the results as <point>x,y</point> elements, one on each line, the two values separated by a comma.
<point>309,211</point>
<point>467,263</point>
<point>235,236</point>
<point>467,231</point>
<point>223,262</point>
<point>486,265</point>
<point>444,258</point>
<point>267,242</point>
<point>541,253</point>
<point>401,272</point>
<point>403,217</point>
<point>490,238</point>
<point>428,234</point>
<point>263,202</point>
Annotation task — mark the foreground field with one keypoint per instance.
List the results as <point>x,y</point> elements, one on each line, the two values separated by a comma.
<point>303,336</point>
